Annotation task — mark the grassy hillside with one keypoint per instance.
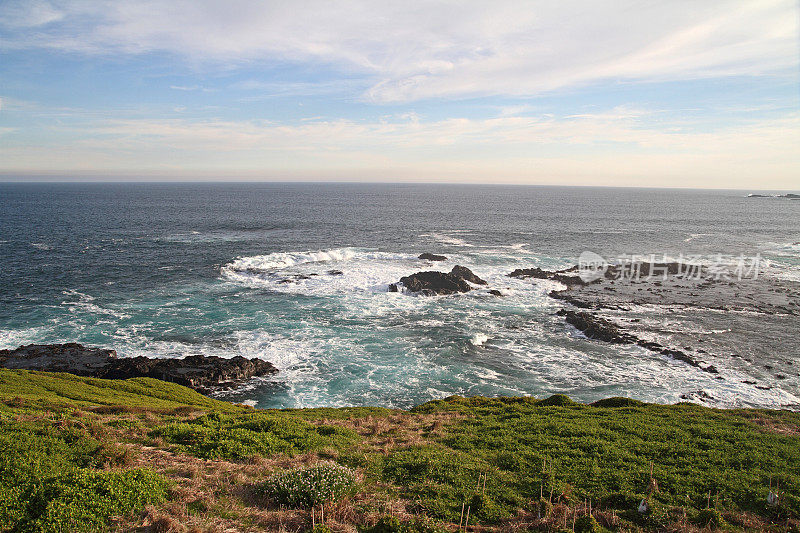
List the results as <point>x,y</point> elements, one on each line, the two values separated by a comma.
<point>53,390</point>
<point>81,454</point>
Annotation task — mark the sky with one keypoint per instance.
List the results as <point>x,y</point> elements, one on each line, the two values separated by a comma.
<point>675,93</point>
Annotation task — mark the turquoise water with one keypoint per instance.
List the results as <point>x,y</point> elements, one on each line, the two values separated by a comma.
<point>171,270</point>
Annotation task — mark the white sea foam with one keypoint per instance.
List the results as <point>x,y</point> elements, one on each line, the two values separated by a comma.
<point>693,236</point>
<point>12,338</point>
<point>479,339</point>
<point>85,303</point>
<point>448,239</point>
<point>325,272</point>
<point>41,246</point>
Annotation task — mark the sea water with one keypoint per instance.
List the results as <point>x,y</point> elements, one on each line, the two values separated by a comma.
<point>298,274</point>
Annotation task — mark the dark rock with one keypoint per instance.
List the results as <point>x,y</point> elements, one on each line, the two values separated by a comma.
<point>70,357</point>
<point>595,327</point>
<point>538,273</point>
<point>467,274</point>
<point>697,395</point>
<point>599,328</point>
<point>433,282</point>
<point>570,298</point>
<point>335,272</point>
<point>495,292</point>
<point>393,287</point>
<point>650,345</point>
<point>200,372</point>
<point>432,257</point>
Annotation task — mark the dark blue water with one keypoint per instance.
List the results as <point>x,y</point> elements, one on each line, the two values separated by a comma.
<point>175,269</point>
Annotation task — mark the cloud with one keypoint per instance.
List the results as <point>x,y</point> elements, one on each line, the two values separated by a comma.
<point>29,14</point>
<point>436,49</point>
<point>619,146</point>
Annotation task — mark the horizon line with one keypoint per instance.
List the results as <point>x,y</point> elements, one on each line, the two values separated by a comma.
<point>179,181</point>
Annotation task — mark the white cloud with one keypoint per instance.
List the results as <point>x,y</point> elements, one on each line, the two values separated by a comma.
<point>437,49</point>
<point>617,147</point>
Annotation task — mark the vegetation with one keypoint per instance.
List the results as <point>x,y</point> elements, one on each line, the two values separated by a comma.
<point>310,486</point>
<point>83,454</point>
<point>48,483</point>
<point>239,437</point>
<point>52,390</point>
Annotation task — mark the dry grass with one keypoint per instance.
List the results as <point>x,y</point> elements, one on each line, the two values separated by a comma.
<point>220,496</point>
<point>772,424</point>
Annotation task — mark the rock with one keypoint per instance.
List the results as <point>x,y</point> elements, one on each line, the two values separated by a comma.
<point>698,395</point>
<point>495,292</point>
<point>71,357</point>
<point>335,272</point>
<point>393,287</point>
<point>538,273</point>
<point>599,328</point>
<point>595,327</point>
<point>432,257</point>
<point>200,372</point>
<point>467,274</point>
<point>433,282</point>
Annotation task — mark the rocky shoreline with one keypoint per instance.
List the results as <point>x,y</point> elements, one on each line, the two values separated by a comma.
<point>701,320</point>
<point>205,374</point>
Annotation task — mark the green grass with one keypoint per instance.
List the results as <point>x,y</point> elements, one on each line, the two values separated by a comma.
<point>507,460</point>
<point>528,447</point>
<point>49,481</point>
<point>48,390</point>
<point>239,437</point>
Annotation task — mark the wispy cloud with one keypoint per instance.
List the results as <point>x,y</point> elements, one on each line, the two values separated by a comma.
<point>435,49</point>
<point>529,149</point>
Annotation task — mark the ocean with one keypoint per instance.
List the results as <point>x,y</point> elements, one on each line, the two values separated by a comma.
<point>298,274</point>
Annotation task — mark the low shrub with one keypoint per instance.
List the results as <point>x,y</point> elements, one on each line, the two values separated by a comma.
<point>47,483</point>
<point>710,518</point>
<point>85,500</point>
<point>391,524</point>
<point>617,401</point>
<point>310,486</point>
<point>588,524</point>
<point>239,438</point>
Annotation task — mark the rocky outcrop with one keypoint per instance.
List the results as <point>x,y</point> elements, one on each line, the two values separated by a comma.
<point>441,283</point>
<point>432,283</point>
<point>432,257</point>
<point>467,274</point>
<point>562,276</point>
<point>70,357</point>
<point>595,327</point>
<point>202,373</point>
